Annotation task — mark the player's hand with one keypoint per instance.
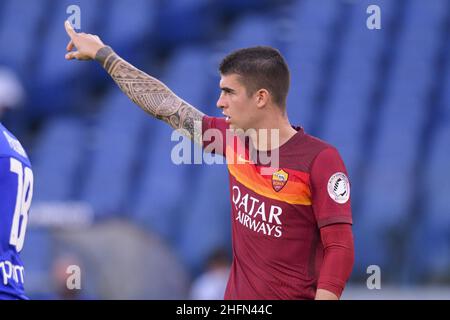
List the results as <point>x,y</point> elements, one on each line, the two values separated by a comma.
<point>86,45</point>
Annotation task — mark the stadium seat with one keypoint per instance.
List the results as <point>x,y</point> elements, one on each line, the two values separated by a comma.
<point>56,159</point>
<point>189,74</point>
<point>354,81</point>
<point>182,22</point>
<point>140,19</point>
<point>235,7</point>
<point>161,207</point>
<point>20,56</point>
<point>251,30</point>
<point>37,256</point>
<point>205,218</point>
<point>429,249</point>
<point>161,190</point>
<point>312,23</point>
<point>115,149</point>
<point>346,116</point>
<point>390,183</point>
<point>56,92</point>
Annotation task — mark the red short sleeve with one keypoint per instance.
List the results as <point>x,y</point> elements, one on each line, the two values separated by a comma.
<point>214,132</point>
<point>330,189</point>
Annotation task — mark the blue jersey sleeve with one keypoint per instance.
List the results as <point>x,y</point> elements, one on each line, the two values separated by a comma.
<point>16,191</point>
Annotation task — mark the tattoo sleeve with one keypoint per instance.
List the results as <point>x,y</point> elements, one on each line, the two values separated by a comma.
<point>153,96</point>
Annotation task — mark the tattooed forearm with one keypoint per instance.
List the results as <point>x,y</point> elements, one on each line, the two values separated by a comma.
<point>152,95</point>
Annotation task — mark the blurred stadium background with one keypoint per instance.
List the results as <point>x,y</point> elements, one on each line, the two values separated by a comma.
<point>108,197</point>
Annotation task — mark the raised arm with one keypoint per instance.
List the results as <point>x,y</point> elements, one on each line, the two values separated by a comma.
<point>153,96</point>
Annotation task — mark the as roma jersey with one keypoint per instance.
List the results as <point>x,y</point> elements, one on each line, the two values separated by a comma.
<point>277,213</point>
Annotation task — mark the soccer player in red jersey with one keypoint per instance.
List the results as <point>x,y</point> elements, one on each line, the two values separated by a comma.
<point>291,222</point>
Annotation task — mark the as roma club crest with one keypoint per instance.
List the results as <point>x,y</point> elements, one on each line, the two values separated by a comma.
<point>279,179</point>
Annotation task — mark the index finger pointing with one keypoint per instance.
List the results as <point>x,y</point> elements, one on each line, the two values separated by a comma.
<point>69,29</point>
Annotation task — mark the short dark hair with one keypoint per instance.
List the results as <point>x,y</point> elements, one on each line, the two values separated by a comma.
<point>260,68</point>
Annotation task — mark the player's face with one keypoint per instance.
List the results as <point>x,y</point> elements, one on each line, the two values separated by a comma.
<point>239,109</point>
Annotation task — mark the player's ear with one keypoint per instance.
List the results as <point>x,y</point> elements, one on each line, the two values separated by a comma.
<point>262,97</point>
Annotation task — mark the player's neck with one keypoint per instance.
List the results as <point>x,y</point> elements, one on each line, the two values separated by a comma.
<point>273,134</point>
